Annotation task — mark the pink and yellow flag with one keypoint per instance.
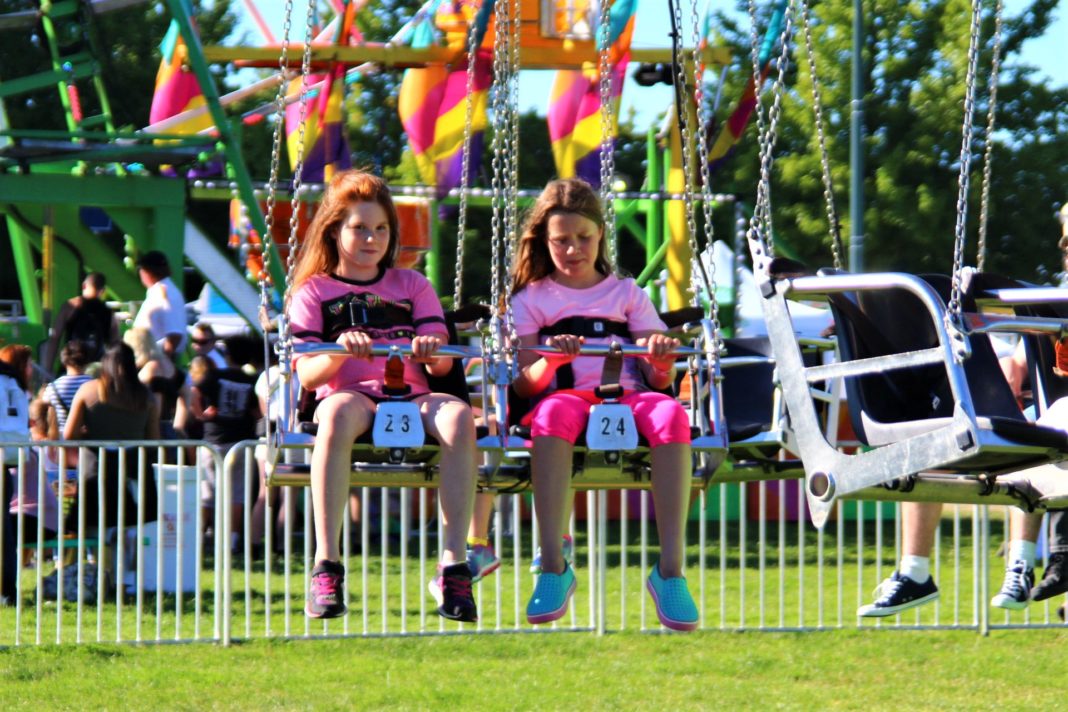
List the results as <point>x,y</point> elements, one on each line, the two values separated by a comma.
<point>433,102</point>
<point>574,114</point>
<point>177,89</point>
<point>326,149</point>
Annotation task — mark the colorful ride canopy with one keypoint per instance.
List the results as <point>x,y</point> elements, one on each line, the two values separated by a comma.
<point>574,114</point>
<point>433,100</point>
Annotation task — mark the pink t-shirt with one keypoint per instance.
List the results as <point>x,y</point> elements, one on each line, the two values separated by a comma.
<point>320,312</point>
<point>544,302</point>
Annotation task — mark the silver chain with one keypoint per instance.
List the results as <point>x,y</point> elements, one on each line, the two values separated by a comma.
<point>953,308</point>
<point>608,159</point>
<point>266,240</point>
<point>760,224</point>
<point>298,169</point>
<point>837,249</point>
<point>686,143</point>
<point>512,195</point>
<point>465,166</point>
<point>706,187</point>
<point>502,201</point>
<point>988,152</point>
<point>758,109</point>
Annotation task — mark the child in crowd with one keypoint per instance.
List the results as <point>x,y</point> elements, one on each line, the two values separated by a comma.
<point>222,399</point>
<point>348,291</point>
<point>566,295</point>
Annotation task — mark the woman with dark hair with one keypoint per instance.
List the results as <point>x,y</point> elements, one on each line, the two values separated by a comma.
<point>116,406</point>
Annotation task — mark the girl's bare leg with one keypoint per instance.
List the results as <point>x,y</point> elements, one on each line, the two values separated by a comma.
<point>450,421</point>
<point>342,417</point>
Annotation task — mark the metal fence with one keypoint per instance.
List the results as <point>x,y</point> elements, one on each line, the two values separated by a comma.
<point>182,573</point>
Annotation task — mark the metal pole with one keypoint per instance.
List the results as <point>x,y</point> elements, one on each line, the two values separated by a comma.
<point>856,139</point>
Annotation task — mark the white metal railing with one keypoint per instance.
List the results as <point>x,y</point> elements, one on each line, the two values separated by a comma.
<point>755,561</point>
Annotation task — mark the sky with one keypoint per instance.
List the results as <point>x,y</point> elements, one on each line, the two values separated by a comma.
<point>1048,53</point>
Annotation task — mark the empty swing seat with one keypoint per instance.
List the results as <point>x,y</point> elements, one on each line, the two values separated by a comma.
<point>894,405</point>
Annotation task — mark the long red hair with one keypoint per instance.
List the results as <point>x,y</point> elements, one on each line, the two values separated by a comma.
<point>318,252</point>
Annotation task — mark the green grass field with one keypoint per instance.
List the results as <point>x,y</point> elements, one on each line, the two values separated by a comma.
<point>839,666</point>
<point>839,670</point>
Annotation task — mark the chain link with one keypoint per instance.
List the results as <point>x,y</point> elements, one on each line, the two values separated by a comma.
<point>608,159</point>
<point>760,225</point>
<point>706,187</point>
<point>266,240</point>
<point>298,169</point>
<point>512,194</point>
<point>988,152</point>
<point>465,165</point>
<point>681,82</point>
<point>502,174</point>
<point>833,224</point>
<point>954,319</point>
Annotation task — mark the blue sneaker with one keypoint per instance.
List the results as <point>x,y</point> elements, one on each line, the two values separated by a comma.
<point>482,561</point>
<point>551,595</point>
<point>674,604</point>
<point>569,555</point>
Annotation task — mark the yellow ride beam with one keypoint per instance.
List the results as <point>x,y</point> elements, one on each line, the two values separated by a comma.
<point>569,55</point>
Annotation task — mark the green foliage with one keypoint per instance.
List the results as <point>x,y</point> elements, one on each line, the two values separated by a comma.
<point>129,60</point>
<point>915,56</point>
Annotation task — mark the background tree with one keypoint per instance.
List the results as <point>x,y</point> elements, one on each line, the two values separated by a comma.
<point>128,42</point>
<point>915,55</point>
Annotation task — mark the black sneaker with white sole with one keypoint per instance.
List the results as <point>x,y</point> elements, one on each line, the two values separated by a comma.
<point>1015,590</point>
<point>898,593</point>
<point>1055,581</point>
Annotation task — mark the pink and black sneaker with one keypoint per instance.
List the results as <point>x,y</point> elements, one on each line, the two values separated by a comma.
<point>326,594</point>
<point>451,588</point>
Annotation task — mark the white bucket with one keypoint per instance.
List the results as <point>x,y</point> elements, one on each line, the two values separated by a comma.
<point>174,482</point>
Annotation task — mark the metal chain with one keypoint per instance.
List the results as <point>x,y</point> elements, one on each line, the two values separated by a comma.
<point>512,194</point>
<point>689,170</point>
<point>754,56</point>
<point>988,152</point>
<point>608,159</point>
<point>298,169</point>
<point>465,165</point>
<point>266,240</point>
<point>833,224</point>
<point>706,186</point>
<point>760,224</point>
<point>501,29</point>
<point>953,308</point>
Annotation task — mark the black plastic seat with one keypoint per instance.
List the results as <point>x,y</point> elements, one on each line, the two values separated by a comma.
<point>894,405</point>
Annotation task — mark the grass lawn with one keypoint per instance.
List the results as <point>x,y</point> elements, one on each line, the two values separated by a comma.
<point>846,669</point>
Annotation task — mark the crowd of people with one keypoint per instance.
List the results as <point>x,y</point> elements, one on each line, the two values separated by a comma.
<point>157,382</point>
<point>114,388</point>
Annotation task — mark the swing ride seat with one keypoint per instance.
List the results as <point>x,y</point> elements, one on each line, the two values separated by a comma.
<point>912,402</point>
<point>595,468</point>
<point>378,465</point>
<point>753,414</point>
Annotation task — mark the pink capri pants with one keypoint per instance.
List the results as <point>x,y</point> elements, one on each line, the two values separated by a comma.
<point>659,418</point>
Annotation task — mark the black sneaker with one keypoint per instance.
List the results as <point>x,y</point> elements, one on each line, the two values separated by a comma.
<point>451,588</point>
<point>1055,581</point>
<point>898,593</point>
<point>1016,588</point>
<point>326,593</point>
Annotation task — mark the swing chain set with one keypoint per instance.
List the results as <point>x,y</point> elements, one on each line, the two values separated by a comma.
<point>988,136</point>
<point>465,165</point>
<point>833,223</point>
<point>954,318</point>
<point>607,156</point>
<point>760,234</point>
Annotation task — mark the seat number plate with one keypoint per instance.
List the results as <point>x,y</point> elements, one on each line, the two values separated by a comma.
<point>611,427</point>
<point>398,424</point>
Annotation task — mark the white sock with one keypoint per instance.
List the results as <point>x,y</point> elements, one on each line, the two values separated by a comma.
<point>917,568</point>
<point>1021,550</point>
